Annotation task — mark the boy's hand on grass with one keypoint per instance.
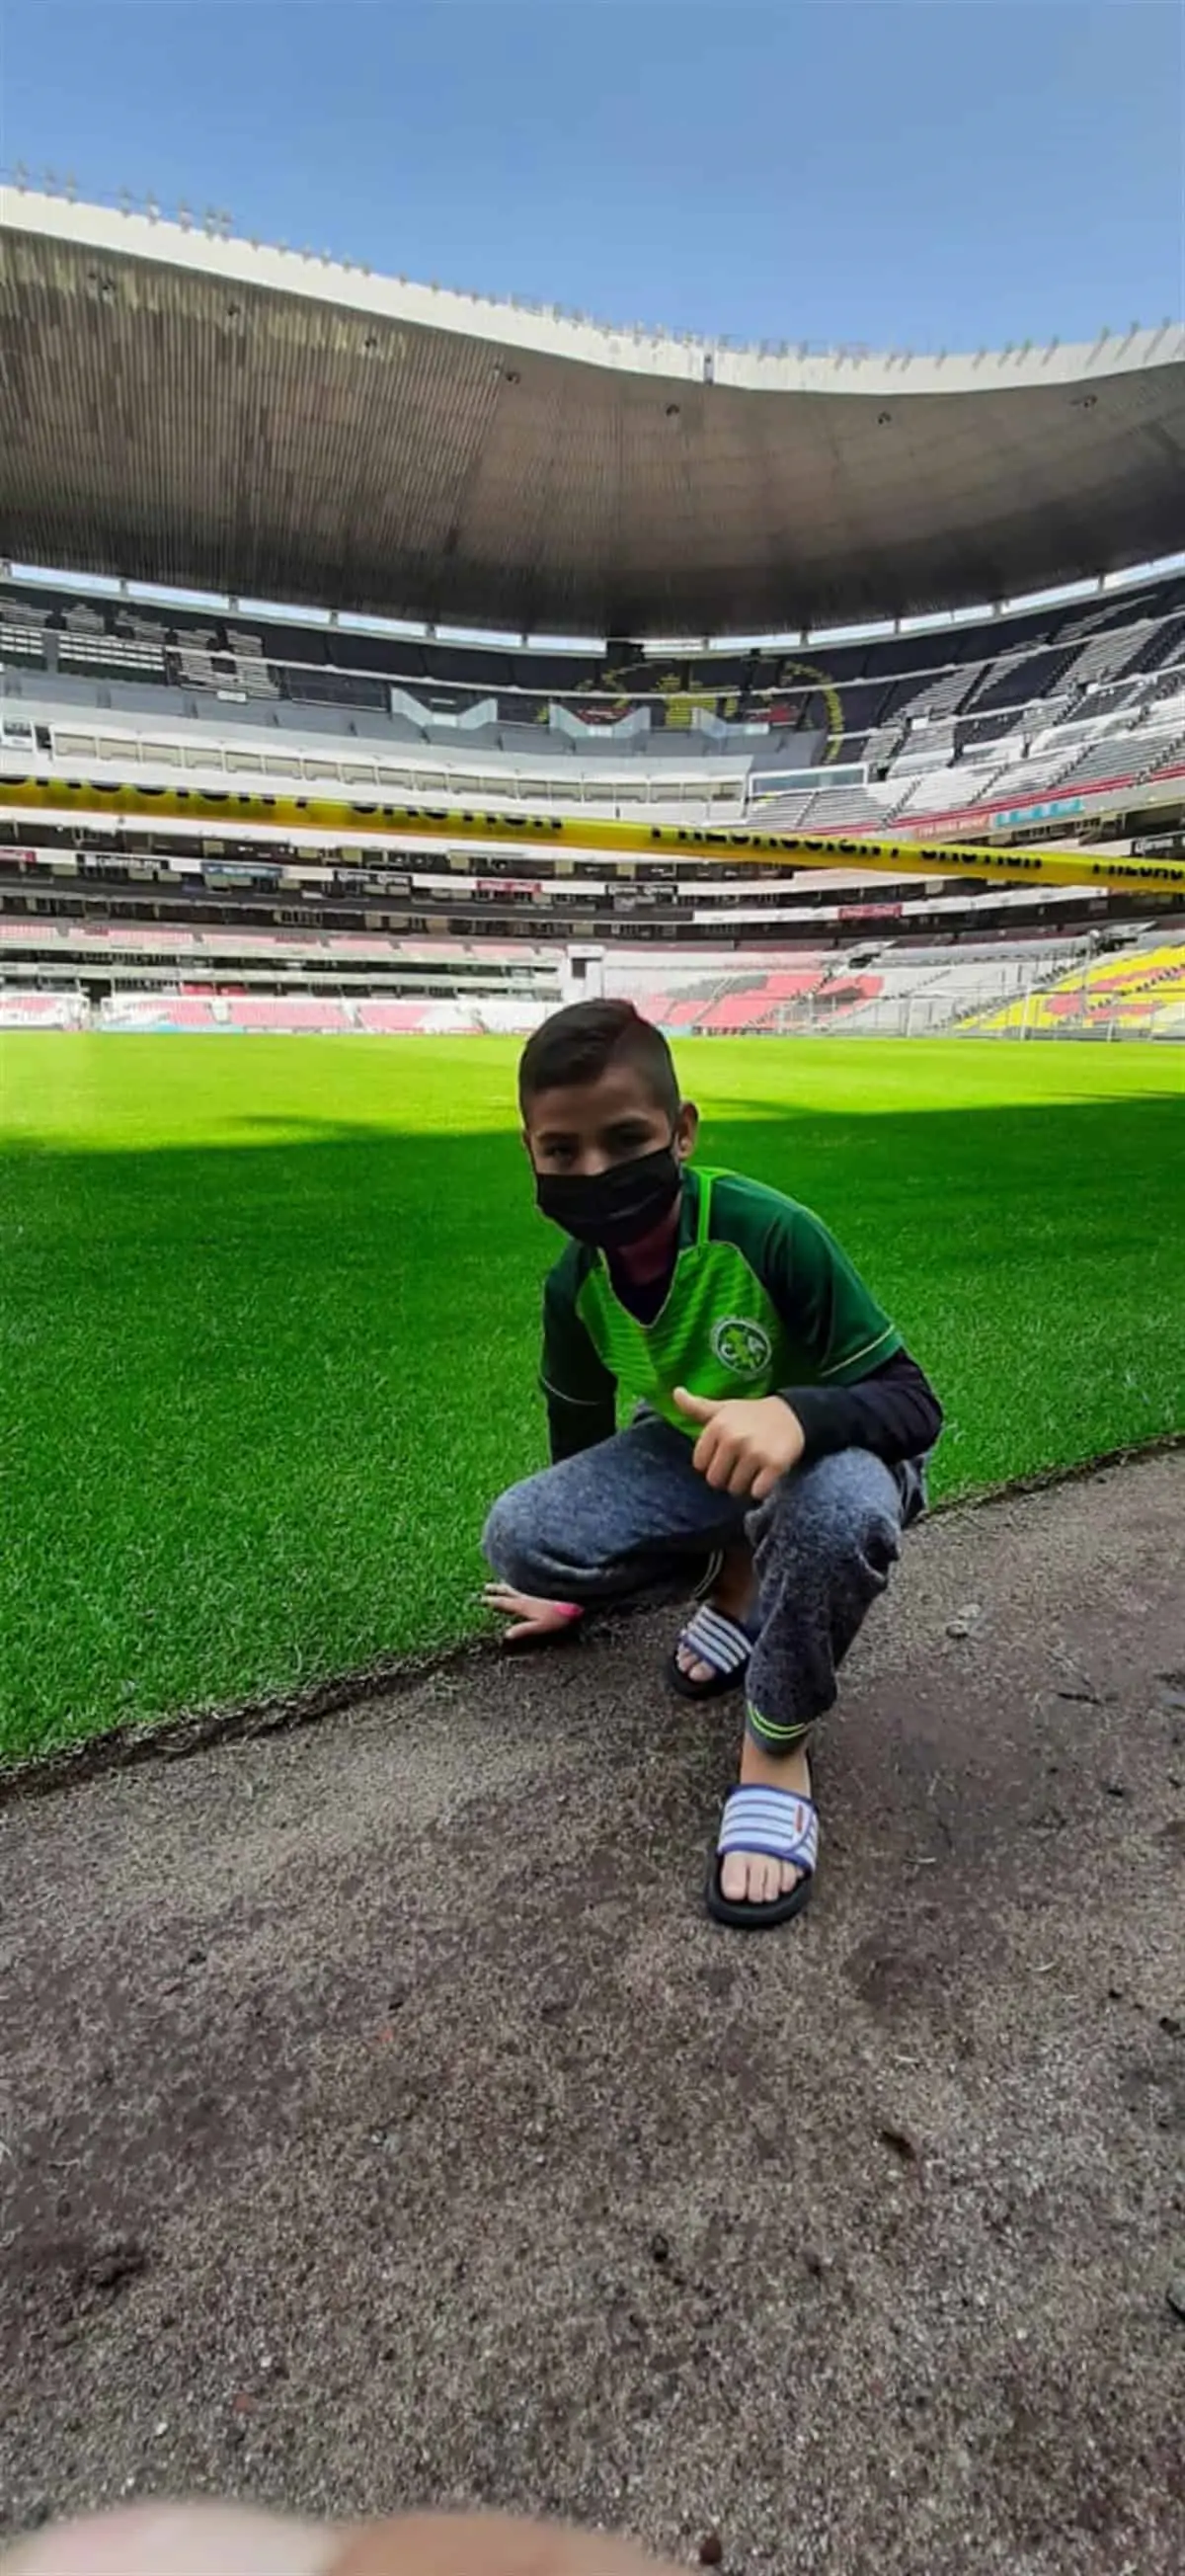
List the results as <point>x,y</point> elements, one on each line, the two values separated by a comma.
<point>747,1442</point>
<point>534,1618</point>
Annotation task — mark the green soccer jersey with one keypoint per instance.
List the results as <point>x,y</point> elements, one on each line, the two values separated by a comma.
<point>761,1299</point>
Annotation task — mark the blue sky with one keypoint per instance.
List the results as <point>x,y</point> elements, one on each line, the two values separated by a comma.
<point>907,173</point>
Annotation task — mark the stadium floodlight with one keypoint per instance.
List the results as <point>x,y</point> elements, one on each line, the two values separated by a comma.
<point>49,181</point>
<point>71,186</point>
<point>20,177</point>
<point>125,201</point>
<point>151,207</point>
<point>184,216</point>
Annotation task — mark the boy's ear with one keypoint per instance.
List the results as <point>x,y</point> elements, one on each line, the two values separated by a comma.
<point>686,1129</point>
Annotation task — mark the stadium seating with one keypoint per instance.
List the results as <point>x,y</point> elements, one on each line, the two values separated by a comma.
<point>923,992</point>
<point>948,730</point>
<point>22,1010</point>
<point>391,1019</point>
<point>1146,990</point>
<point>956,719</point>
<point>1055,987</point>
<point>157,1011</point>
<point>736,1012</point>
<point>1141,738</point>
<point>290,1014</point>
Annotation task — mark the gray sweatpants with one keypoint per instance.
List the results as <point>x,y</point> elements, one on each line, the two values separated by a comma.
<point>619,1519</point>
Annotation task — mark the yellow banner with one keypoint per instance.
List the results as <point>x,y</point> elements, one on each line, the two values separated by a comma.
<point>568,831</point>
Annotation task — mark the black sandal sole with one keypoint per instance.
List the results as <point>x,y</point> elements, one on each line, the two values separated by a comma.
<point>756,1918</point>
<point>718,1688</point>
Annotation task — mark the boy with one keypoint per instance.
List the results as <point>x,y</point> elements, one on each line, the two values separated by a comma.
<point>781,1429</point>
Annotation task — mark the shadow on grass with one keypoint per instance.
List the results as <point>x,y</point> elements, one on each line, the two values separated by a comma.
<point>259,1394</point>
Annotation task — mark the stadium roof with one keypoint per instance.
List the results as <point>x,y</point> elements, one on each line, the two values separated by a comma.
<point>185,408</point>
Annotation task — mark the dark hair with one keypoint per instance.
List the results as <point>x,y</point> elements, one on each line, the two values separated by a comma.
<point>577,1045</point>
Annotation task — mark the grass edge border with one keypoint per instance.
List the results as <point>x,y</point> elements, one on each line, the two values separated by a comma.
<point>199,1730</point>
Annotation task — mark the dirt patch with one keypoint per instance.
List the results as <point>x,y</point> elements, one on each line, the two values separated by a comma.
<point>382,2122</point>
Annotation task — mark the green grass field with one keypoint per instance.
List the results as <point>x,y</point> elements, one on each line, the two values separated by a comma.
<point>269,1319</point>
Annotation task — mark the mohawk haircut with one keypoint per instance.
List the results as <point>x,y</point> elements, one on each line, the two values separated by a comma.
<point>577,1045</point>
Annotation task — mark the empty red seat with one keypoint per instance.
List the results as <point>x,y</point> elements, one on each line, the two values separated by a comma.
<point>740,1011</point>
<point>297,1017</point>
<point>392,1019</point>
<point>789,986</point>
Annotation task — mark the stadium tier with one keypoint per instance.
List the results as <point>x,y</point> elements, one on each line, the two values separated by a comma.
<point>107,909</point>
<point>258,876</point>
<point>166,921</point>
<point>967,724</point>
<point>1141,994</point>
<point>1144,991</point>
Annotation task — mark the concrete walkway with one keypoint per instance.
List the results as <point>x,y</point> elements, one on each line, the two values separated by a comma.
<point>382,2120</point>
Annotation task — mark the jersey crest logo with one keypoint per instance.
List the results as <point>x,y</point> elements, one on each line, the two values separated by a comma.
<point>741,1346</point>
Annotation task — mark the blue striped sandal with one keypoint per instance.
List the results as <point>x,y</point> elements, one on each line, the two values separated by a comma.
<point>782,1826</point>
<point>714,1639</point>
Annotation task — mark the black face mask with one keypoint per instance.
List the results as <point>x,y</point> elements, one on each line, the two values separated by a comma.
<point>613,1208</point>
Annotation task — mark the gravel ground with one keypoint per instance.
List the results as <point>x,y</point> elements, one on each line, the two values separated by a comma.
<point>382,2122</point>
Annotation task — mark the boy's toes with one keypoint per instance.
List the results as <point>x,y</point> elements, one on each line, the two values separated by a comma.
<point>749,1878</point>
<point>734,1877</point>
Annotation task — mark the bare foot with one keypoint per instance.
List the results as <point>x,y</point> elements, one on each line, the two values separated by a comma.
<point>734,1595</point>
<point>749,1878</point>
